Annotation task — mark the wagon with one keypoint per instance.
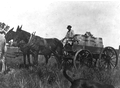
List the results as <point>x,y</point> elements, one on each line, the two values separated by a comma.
<point>90,56</point>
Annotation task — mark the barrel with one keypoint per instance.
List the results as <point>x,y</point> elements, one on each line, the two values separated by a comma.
<point>90,41</point>
<point>99,42</point>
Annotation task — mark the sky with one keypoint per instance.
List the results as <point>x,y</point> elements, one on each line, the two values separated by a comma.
<point>50,18</point>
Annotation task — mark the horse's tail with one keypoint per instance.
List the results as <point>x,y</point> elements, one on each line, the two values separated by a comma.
<point>59,46</point>
<point>59,51</point>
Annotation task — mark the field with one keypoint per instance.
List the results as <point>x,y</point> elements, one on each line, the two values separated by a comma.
<point>49,76</point>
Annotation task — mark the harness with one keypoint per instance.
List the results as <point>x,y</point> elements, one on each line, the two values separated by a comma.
<point>31,36</point>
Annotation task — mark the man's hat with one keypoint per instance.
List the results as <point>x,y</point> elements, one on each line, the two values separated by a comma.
<point>69,26</point>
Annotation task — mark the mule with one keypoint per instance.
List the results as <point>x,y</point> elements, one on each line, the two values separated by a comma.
<point>47,47</point>
<point>40,45</point>
<point>26,54</point>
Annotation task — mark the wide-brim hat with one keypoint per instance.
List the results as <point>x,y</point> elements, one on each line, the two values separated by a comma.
<point>69,26</point>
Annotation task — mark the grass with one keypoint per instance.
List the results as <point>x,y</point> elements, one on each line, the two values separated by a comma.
<point>49,76</point>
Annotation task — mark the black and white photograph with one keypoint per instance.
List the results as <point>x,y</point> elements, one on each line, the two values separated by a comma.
<point>59,44</point>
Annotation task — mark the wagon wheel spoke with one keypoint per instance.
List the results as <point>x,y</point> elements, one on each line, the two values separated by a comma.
<point>113,63</point>
<point>83,58</point>
<point>106,63</point>
<point>109,58</point>
<point>78,61</point>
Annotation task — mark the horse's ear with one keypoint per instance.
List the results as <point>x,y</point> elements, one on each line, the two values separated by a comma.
<point>18,28</point>
<point>12,29</point>
<point>21,27</point>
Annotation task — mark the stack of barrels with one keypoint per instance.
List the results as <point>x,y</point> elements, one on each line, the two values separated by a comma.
<point>88,40</point>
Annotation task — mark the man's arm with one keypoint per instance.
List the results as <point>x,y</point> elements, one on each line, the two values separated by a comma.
<point>72,33</point>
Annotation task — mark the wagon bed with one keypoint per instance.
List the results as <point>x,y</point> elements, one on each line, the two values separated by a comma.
<point>105,58</point>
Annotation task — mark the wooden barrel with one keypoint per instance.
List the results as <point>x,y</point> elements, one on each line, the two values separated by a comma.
<point>90,41</point>
<point>99,42</point>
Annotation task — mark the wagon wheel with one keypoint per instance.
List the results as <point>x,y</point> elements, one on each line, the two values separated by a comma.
<point>82,57</point>
<point>108,58</point>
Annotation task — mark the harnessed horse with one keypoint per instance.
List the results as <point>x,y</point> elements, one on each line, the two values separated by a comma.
<point>47,47</point>
<point>38,44</point>
<point>21,44</point>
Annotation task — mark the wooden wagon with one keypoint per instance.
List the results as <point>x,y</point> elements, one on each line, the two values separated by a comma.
<point>91,56</point>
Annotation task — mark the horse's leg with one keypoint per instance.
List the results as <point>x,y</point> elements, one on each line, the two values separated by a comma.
<point>59,57</point>
<point>35,58</point>
<point>32,60</point>
<point>24,60</point>
<point>59,61</point>
<point>28,58</point>
<point>47,58</point>
<point>59,53</point>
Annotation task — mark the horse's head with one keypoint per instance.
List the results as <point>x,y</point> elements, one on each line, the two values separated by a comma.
<point>10,35</point>
<point>21,35</point>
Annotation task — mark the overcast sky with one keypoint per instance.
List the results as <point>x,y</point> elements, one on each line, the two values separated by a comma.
<point>50,18</point>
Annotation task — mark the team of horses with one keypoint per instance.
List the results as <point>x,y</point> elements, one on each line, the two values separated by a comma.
<point>31,44</point>
<point>35,45</point>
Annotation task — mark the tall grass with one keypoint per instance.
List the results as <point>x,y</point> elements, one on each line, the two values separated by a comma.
<point>49,76</point>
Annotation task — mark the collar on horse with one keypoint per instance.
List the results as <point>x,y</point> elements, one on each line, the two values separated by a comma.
<point>31,36</point>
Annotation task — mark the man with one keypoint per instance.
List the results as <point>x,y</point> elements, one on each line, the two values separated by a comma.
<point>69,34</point>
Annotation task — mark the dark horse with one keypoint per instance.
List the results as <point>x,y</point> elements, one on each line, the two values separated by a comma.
<point>40,45</point>
<point>11,35</point>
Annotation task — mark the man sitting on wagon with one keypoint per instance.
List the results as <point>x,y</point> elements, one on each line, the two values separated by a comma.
<point>70,34</point>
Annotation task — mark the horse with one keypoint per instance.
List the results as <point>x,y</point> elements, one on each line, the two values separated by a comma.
<point>3,50</point>
<point>46,47</point>
<point>10,35</point>
<point>40,45</point>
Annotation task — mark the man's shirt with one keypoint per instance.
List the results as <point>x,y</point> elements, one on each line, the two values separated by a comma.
<point>70,34</point>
